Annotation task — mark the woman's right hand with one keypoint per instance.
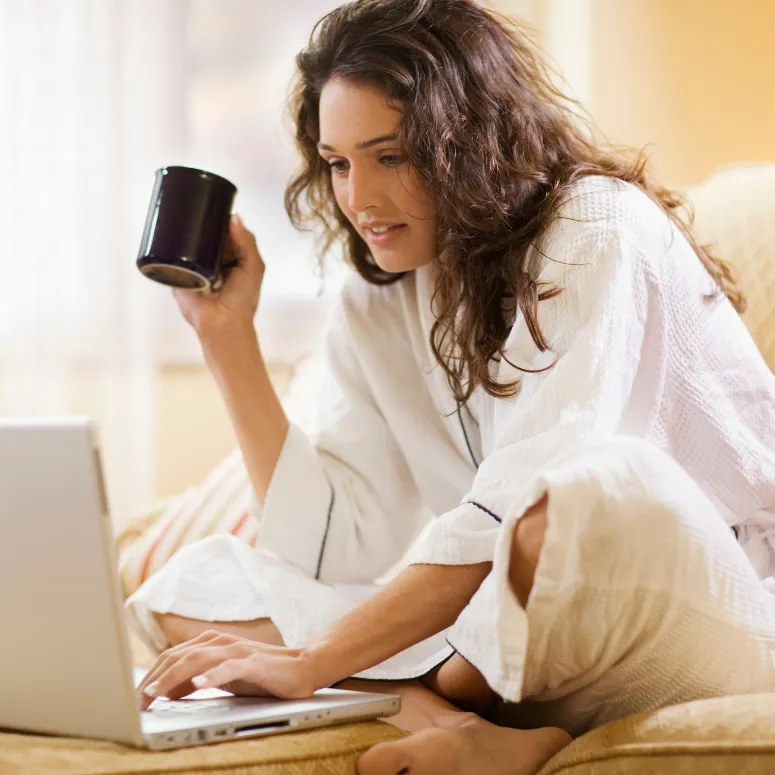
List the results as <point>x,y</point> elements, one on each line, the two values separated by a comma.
<point>230,662</point>
<point>235,304</point>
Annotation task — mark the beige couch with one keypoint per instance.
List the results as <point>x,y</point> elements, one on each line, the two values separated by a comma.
<point>731,735</point>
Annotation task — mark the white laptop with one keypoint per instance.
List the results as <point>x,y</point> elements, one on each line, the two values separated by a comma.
<point>65,665</point>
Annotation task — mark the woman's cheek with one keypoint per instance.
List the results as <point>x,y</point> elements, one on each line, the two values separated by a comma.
<point>340,196</point>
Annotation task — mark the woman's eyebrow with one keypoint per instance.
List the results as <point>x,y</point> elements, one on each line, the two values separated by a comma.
<point>364,145</point>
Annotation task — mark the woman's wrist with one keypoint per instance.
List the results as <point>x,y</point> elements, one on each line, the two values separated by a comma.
<point>222,340</point>
<point>230,353</point>
<point>325,663</point>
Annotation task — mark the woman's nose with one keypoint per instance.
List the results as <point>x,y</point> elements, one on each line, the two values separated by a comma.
<point>363,193</point>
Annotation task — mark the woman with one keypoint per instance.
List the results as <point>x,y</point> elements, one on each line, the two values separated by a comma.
<point>533,349</point>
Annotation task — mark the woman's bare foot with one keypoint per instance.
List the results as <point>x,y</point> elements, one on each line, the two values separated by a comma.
<point>464,743</point>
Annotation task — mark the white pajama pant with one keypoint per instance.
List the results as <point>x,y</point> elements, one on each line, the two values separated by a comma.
<point>642,597</point>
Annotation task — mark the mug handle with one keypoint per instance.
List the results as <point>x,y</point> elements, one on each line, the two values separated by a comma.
<point>226,267</point>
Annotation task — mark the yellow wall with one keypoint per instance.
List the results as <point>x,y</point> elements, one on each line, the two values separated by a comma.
<point>194,430</point>
<point>694,77</point>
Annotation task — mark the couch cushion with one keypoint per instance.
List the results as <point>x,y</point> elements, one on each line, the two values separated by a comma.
<point>729,735</point>
<point>735,213</point>
<point>330,751</point>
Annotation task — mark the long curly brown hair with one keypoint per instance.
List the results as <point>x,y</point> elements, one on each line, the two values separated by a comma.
<point>497,147</point>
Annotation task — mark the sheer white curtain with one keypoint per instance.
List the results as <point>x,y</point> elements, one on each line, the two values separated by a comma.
<point>240,59</point>
<point>90,105</point>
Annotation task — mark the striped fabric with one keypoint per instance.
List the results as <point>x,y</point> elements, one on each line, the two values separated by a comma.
<point>221,504</point>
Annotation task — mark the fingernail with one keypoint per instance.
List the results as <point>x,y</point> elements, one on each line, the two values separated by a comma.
<point>237,219</point>
<point>199,681</point>
<point>150,690</point>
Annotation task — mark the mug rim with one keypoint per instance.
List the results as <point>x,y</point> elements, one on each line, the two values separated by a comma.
<point>191,267</point>
<point>201,172</point>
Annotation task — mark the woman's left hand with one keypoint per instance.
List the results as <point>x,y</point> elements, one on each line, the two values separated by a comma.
<point>228,662</point>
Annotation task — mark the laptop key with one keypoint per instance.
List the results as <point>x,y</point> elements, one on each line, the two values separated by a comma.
<point>181,707</point>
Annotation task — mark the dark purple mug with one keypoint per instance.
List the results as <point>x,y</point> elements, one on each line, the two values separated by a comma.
<point>186,229</point>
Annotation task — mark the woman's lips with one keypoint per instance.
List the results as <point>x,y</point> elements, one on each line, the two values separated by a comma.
<point>384,237</point>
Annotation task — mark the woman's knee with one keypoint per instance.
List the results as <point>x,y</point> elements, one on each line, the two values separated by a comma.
<point>460,683</point>
<point>611,495</point>
<point>526,544</point>
<point>617,507</point>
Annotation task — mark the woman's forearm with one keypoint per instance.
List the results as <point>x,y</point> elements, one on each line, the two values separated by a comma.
<point>236,362</point>
<point>421,601</point>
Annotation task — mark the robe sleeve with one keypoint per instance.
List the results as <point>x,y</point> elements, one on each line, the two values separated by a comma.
<point>342,507</point>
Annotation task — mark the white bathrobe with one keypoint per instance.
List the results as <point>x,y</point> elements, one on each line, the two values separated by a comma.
<point>640,349</point>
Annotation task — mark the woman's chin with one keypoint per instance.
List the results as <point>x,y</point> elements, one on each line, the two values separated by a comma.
<point>395,263</point>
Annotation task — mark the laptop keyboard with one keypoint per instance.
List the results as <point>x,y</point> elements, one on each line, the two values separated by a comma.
<point>189,707</point>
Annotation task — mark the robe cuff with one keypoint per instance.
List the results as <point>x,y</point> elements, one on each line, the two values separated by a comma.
<point>296,514</point>
<point>464,536</point>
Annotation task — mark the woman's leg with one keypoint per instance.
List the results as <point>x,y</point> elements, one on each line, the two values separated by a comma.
<point>635,592</point>
<point>636,596</point>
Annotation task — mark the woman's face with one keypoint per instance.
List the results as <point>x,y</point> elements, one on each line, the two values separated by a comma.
<point>374,185</point>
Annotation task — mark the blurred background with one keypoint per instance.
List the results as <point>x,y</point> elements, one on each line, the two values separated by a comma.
<point>96,94</point>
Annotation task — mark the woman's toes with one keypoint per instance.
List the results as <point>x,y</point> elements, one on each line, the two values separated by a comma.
<point>430,752</point>
<point>385,759</point>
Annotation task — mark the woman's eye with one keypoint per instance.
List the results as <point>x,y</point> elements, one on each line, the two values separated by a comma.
<point>340,166</point>
<point>392,161</point>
